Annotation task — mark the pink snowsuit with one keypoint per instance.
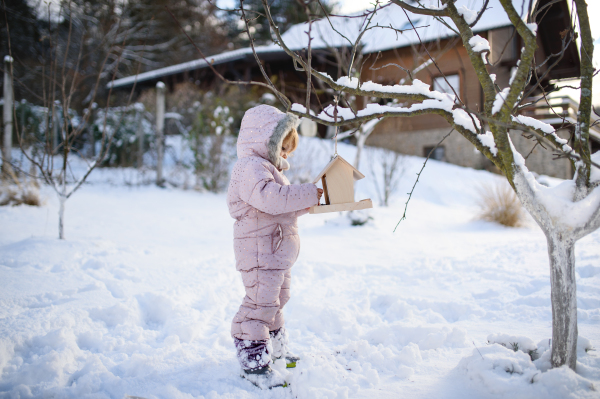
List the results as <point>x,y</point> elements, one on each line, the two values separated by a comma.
<point>266,207</point>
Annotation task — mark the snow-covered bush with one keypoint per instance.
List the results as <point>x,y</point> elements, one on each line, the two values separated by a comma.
<point>513,366</point>
<point>33,122</point>
<point>126,125</point>
<point>516,343</point>
<point>209,141</point>
<point>28,118</point>
<point>498,203</point>
<point>359,218</point>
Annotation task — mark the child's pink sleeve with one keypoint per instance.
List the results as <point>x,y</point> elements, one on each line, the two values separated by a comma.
<point>259,189</point>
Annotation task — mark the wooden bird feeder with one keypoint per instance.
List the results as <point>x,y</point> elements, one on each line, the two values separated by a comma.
<point>338,187</point>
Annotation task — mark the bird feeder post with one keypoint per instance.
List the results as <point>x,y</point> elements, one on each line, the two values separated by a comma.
<point>139,133</point>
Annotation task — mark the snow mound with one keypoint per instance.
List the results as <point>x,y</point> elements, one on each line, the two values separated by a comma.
<point>516,343</point>
<point>350,368</point>
<point>513,366</point>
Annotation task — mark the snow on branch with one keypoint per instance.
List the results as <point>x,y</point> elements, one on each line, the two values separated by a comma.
<point>417,88</point>
<point>466,120</point>
<point>375,110</point>
<point>546,131</point>
<point>479,44</point>
<point>487,140</point>
<point>499,101</point>
<point>301,109</point>
<point>469,15</point>
<point>536,124</point>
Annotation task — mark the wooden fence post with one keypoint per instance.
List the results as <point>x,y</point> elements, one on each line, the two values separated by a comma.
<point>160,127</point>
<point>7,115</point>
<point>139,133</point>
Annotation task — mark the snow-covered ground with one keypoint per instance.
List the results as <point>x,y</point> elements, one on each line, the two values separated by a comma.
<point>138,300</point>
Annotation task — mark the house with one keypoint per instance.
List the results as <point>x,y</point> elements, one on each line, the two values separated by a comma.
<point>394,47</point>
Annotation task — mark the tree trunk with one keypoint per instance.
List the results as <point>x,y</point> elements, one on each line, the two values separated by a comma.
<point>360,145</point>
<point>61,217</point>
<point>561,251</point>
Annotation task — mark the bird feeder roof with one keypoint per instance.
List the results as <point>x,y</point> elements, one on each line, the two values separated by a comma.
<point>355,173</point>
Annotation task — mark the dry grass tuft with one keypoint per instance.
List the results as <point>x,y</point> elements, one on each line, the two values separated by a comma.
<point>30,195</point>
<point>498,203</point>
<point>27,194</point>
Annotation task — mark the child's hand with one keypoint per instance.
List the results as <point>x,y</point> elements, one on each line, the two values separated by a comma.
<point>319,194</point>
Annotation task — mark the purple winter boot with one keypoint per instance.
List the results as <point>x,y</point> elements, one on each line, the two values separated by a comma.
<point>255,360</point>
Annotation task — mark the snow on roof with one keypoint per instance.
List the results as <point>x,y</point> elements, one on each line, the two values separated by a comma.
<point>380,38</point>
<point>173,69</point>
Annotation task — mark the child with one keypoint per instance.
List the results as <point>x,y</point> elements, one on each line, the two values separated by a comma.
<point>266,243</point>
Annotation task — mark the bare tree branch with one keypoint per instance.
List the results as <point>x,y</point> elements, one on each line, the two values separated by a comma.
<point>421,10</point>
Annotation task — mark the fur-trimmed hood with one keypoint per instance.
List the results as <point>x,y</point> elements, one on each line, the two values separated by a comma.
<point>262,132</point>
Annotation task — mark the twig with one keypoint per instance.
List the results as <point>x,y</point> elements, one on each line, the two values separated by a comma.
<point>478,350</point>
<point>418,176</point>
<point>225,80</point>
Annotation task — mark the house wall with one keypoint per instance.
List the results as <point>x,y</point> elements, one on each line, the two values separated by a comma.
<point>451,57</point>
<point>413,135</point>
<point>542,160</point>
<point>459,151</point>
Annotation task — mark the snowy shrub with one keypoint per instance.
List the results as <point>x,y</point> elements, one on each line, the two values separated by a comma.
<point>126,125</point>
<point>210,141</point>
<point>213,163</point>
<point>28,123</point>
<point>498,203</point>
<point>505,367</point>
<point>35,126</point>
<point>359,218</point>
<point>515,343</point>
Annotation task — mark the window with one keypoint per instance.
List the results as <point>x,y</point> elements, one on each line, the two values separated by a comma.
<point>439,154</point>
<point>446,85</point>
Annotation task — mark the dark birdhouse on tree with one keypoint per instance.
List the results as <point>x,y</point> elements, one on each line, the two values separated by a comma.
<point>338,179</point>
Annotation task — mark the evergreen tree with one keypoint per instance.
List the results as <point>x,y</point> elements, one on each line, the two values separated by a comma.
<point>19,37</point>
<point>285,13</point>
